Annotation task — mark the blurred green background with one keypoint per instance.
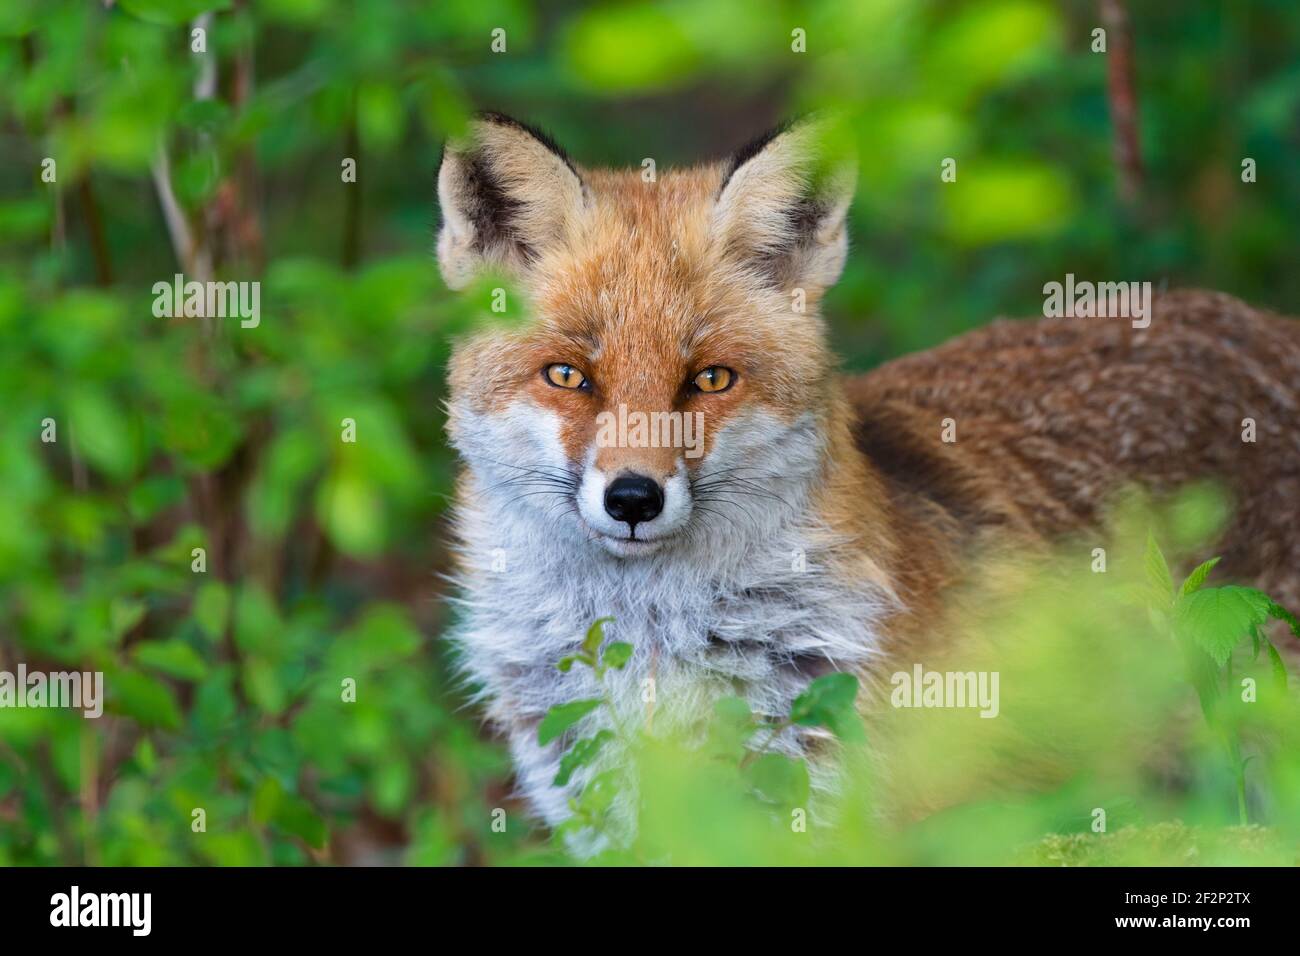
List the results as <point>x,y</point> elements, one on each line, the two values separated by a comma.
<point>324,558</point>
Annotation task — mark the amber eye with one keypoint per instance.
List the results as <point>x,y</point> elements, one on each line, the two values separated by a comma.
<point>564,376</point>
<point>715,378</point>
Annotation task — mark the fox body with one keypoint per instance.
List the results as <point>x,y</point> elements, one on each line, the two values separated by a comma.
<point>814,523</point>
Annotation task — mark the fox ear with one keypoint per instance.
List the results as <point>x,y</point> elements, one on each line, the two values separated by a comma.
<point>507,192</point>
<point>782,205</point>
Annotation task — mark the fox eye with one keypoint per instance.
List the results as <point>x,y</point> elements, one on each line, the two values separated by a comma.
<point>564,376</point>
<point>715,378</point>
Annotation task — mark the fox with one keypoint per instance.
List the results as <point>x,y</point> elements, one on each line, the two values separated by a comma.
<point>815,522</point>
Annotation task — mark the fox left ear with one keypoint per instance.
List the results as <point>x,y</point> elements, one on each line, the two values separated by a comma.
<point>782,206</point>
<point>507,193</point>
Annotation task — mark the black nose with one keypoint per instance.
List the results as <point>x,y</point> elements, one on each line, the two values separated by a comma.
<point>633,498</point>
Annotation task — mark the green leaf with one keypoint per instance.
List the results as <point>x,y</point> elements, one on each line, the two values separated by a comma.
<point>829,692</point>
<point>258,627</point>
<point>380,114</point>
<point>151,495</point>
<point>563,716</point>
<point>848,726</point>
<point>212,609</point>
<point>735,712</point>
<point>150,702</point>
<point>581,754</point>
<point>124,615</point>
<point>215,708</point>
<point>390,787</point>
<point>203,115</point>
<point>621,48</point>
<point>174,658</point>
<point>779,779</point>
<point>1158,578</point>
<point>1198,576</point>
<point>384,635</point>
<point>265,799</point>
<point>1217,619</point>
<point>1009,200</point>
<point>599,794</point>
<point>595,636</point>
<point>733,724</point>
<point>984,44</point>
<point>617,654</point>
<point>828,702</point>
<point>1277,611</point>
<point>291,813</point>
<point>146,757</point>
<point>1279,667</point>
<point>263,684</point>
<point>566,663</point>
<point>352,512</point>
<point>19,17</point>
<point>101,431</point>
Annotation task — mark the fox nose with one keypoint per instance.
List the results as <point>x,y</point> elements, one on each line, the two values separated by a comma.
<point>633,498</point>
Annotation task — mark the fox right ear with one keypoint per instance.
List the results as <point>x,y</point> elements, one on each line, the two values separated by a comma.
<point>507,192</point>
<point>781,208</point>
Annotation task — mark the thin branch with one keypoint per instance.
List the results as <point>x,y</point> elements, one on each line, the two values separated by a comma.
<point>89,796</point>
<point>59,228</point>
<point>192,255</point>
<point>1122,93</point>
<point>205,85</point>
<point>205,88</point>
<point>56,804</point>
<point>95,226</point>
<point>178,227</point>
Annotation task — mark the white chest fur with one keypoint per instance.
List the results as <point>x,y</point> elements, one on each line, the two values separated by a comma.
<point>759,619</point>
<point>746,603</point>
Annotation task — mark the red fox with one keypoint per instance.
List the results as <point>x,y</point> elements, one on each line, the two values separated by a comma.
<point>667,441</point>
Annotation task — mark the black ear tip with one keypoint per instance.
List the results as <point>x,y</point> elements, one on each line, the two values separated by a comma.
<point>755,146</point>
<point>759,143</point>
<point>543,137</point>
<point>499,119</point>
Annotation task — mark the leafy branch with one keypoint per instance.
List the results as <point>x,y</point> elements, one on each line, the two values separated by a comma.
<point>1210,623</point>
<point>768,775</point>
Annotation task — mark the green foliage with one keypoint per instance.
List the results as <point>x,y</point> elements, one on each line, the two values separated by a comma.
<point>1217,619</point>
<point>226,685</point>
<point>614,655</point>
<point>1212,623</point>
<point>829,702</point>
<point>765,775</point>
<point>742,797</point>
<point>561,718</point>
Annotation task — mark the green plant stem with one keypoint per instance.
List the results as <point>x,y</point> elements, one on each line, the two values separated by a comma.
<point>1239,771</point>
<point>774,731</point>
<point>1243,814</point>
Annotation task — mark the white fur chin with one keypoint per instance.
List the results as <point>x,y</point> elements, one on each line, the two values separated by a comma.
<point>631,547</point>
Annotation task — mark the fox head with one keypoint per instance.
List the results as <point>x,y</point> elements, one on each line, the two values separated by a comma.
<point>670,385</point>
